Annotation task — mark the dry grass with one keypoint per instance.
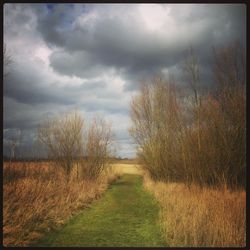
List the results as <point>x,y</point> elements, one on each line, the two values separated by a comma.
<point>36,199</point>
<point>127,168</point>
<point>124,161</point>
<point>198,217</point>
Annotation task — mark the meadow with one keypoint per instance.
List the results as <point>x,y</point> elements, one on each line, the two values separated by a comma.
<point>37,200</point>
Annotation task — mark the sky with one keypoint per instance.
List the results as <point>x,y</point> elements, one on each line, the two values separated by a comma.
<point>93,57</point>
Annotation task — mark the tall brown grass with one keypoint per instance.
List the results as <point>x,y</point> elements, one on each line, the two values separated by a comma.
<point>200,217</point>
<point>36,199</point>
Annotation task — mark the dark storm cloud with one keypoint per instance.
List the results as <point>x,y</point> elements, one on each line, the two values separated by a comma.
<point>17,115</point>
<point>26,84</point>
<point>23,90</point>
<point>80,63</point>
<point>107,105</point>
<point>54,20</point>
<point>21,123</point>
<point>93,56</point>
<point>50,25</point>
<point>113,42</point>
<point>26,106</point>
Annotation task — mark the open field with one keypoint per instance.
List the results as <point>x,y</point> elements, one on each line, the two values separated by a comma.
<point>124,168</point>
<point>45,170</point>
<point>124,161</point>
<point>37,200</point>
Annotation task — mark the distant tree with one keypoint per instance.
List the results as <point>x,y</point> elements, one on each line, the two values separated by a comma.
<point>7,60</point>
<point>14,142</point>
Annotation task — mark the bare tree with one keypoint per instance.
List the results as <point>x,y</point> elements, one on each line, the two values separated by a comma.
<point>14,141</point>
<point>198,138</point>
<point>155,117</point>
<point>190,68</point>
<point>98,148</point>
<point>191,73</point>
<point>230,96</point>
<point>7,60</point>
<point>221,130</point>
<point>69,145</point>
<point>229,66</point>
<point>63,139</point>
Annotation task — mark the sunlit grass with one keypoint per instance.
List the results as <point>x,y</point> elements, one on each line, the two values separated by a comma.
<point>125,216</point>
<point>127,168</point>
<point>36,199</point>
<point>198,217</point>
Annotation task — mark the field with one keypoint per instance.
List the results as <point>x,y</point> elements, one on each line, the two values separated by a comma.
<point>127,168</point>
<point>37,200</point>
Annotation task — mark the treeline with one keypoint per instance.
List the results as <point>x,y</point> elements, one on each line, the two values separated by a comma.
<point>199,137</point>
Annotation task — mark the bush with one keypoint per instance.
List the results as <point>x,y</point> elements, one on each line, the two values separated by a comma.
<point>199,137</point>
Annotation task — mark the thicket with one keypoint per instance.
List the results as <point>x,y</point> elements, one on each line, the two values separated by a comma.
<point>195,136</point>
<point>70,143</point>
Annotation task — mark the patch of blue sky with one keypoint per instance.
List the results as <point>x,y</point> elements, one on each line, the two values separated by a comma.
<point>67,21</point>
<point>50,7</point>
<point>65,16</point>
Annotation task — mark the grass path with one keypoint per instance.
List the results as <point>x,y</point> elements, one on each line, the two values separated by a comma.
<point>126,216</point>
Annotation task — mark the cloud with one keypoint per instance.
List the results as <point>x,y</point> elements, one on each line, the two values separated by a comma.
<point>154,37</point>
<point>93,56</point>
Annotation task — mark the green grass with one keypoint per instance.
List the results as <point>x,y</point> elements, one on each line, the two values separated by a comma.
<point>126,216</point>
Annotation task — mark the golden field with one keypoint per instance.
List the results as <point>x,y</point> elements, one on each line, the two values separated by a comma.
<point>124,168</point>
<point>36,199</point>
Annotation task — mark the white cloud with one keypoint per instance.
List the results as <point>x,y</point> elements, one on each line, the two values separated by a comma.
<point>155,16</point>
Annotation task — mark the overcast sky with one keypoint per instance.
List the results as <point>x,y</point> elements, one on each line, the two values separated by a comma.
<point>93,56</point>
